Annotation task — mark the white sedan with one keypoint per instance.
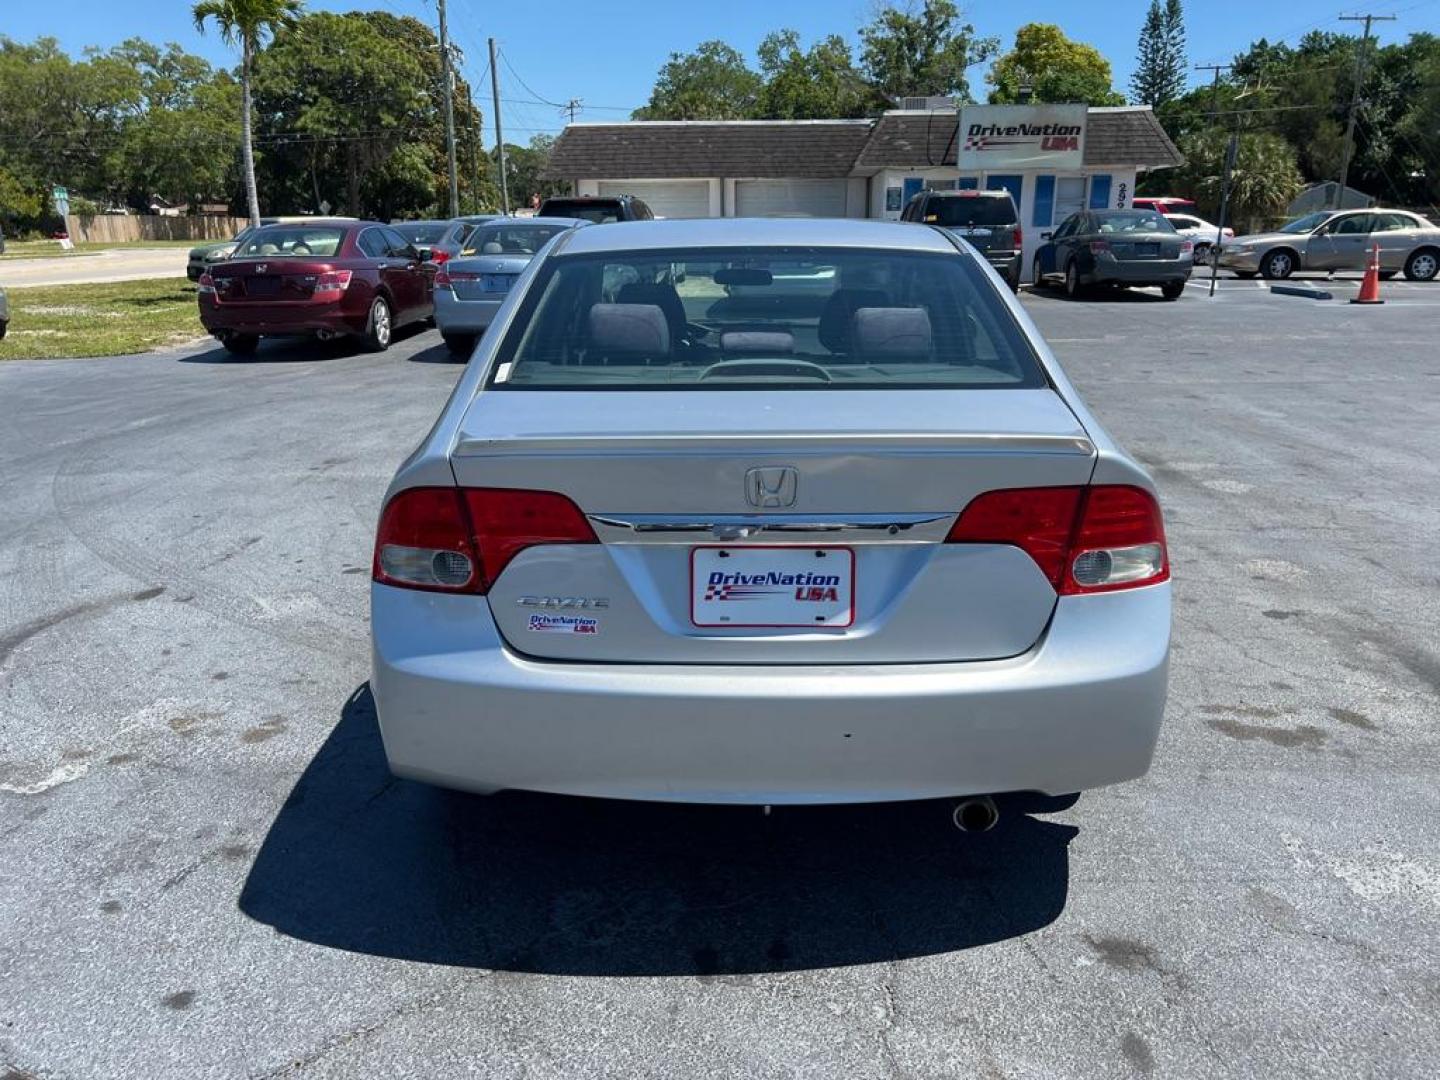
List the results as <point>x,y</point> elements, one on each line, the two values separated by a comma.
<point>1200,231</point>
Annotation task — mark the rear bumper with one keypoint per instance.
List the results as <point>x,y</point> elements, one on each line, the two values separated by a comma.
<point>1140,272</point>
<point>453,315</point>
<point>1081,709</point>
<point>281,318</point>
<point>1006,263</point>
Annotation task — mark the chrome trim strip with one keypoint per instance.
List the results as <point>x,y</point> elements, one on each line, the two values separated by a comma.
<point>789,442</point>
<point>771,528</point>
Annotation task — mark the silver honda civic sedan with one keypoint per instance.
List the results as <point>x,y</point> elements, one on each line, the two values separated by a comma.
<point>690,531</point>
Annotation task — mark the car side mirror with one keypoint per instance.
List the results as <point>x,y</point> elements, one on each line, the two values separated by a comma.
<point>1046,235</point>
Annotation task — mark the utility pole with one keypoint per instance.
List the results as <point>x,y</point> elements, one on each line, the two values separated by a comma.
<point>449,77</point>
<point>572,106</point>
<point>1360,57</point>
<point>1214,86</point>
<point>499,134</point>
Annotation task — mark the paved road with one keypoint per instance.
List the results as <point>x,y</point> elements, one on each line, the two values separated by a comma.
<point>208,872</point>
<point>118,264</point>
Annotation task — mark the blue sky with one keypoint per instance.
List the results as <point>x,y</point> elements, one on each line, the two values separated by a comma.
<point>607,53</point>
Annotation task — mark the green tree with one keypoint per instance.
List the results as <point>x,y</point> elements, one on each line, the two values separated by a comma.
<point>525,170</point>
<point>910,52</point>
<point>1160,60</point>
<point>247,23</point>
<point>811,85</point>
<point>1265,179</point>
<point>1056,68</point>
<point>711,83</point>
<point>336,98</point>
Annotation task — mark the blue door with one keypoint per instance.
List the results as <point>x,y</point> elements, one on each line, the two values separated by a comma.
<point>913,186</point>
<point>1012,184</point>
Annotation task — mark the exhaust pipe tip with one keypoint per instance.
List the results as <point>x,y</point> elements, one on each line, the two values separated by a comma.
<point>976,815</point>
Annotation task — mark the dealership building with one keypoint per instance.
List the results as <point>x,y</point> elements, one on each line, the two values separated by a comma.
<point>1054,159</point>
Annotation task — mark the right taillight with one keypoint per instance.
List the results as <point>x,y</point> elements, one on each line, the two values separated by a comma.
<point>460,539</point>
<point>1084,539</point>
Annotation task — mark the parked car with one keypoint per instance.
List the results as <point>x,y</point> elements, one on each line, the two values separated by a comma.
<point>657,548</point>
<point>597,209</point>
<point>986,219</point>
<point>1165,204</point>
<point>330,278</point>
<point>1199,232</point>
<point>470,289</point>
<point>437,241</point>
<point>1116,247</point>
<point>1339,240</point>
<point>4,313</point>
<point>203,255</point>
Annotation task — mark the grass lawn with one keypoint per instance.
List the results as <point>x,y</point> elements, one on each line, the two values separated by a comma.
<point>50,249</point>
<point>101,319</point>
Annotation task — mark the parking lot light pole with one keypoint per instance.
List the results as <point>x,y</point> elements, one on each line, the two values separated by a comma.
<point>1232,149</point>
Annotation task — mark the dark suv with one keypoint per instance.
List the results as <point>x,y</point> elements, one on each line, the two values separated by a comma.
<point>599,209</point>
<point>986,219</point>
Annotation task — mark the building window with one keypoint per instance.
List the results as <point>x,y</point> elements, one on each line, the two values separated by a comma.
<point>1069,196</point>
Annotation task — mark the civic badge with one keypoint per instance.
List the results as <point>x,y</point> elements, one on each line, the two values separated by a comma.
<point>769,487</point>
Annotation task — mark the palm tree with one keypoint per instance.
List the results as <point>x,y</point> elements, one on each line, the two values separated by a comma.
<point>248,22</point>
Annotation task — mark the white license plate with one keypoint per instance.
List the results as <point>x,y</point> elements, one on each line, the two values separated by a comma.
<point>772,586</point>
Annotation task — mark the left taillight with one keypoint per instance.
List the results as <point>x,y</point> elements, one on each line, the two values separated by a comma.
<point>461,539</point>
<point>1017,238</point>
<point>1084,539</point>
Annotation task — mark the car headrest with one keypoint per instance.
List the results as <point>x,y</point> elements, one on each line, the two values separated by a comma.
<point>629,330</point>
<point>492,247</point>
<point>766,342</point>
<point>892,332</point>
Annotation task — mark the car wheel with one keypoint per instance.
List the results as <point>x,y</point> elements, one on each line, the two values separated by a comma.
<point>241,344</point>
<point>1202,254</point>
<point>1035,275</point>
<point>380,328</point>
<point>1171,290</point>
<point>3,327</point>
<point>1072,279</point>
<point>460,345</point>
<point>1278,265</point>
<point>1422,265</point>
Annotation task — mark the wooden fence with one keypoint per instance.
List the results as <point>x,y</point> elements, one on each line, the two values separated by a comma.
<point>119,228</point>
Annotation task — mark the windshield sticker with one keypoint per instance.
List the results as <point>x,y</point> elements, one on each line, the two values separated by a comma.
<point>564,624</point>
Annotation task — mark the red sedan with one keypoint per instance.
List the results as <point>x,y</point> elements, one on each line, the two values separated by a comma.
<point>333,279</point>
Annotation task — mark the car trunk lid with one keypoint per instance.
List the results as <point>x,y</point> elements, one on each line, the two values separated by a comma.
<point>843,560</point>
<point>477,277</point>
<point>268,280</point>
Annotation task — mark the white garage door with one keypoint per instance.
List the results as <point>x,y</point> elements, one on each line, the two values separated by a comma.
<point>789,198</point>
<point>666,198</point>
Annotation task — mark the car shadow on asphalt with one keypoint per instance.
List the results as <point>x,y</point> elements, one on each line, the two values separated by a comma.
<point>291,350</point>
<point>361,861</point>
<point>1101,295</point>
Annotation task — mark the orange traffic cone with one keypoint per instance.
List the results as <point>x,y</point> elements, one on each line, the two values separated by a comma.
<point>1370,287</point>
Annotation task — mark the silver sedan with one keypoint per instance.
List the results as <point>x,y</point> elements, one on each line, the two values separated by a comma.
<point>689,531</point>
<point>471,286</point>
<point>1339,240</point>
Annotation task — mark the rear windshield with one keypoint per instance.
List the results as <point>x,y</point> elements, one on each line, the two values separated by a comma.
<point>600,211</point>
<point>970,210</point>
<point>510,239</point>
<point>422,233</point>
<point>271,240</point>
<point>1132,221</point>
<point>763,318</point>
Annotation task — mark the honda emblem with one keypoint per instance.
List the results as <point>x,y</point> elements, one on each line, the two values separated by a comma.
<point>777,486</point>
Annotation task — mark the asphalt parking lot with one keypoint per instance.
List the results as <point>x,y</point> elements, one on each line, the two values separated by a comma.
<point>208,872</point>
